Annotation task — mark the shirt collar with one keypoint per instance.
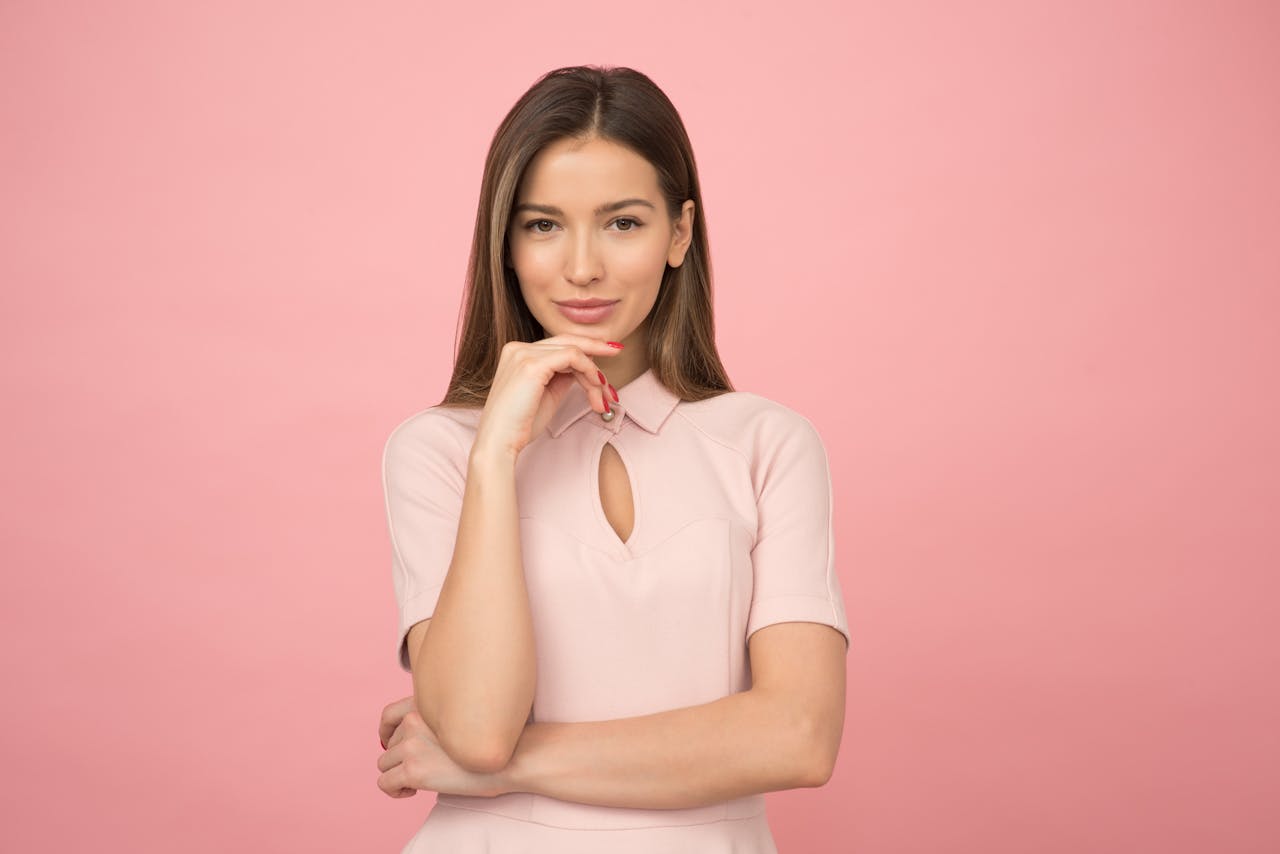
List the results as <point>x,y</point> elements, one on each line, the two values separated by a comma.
<point>645,400</point>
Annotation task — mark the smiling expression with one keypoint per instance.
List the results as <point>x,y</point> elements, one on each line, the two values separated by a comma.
<point>590,222</point>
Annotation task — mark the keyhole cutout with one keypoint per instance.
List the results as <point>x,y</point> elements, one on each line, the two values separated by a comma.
<point>615,493</point>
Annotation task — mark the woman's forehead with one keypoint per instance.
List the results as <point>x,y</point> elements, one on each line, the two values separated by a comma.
<point>587,174</point>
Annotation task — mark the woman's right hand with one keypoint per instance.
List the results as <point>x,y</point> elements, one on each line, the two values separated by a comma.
<point>530,383</point>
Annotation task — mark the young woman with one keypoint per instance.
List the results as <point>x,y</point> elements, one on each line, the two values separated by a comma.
<point>614,573</point>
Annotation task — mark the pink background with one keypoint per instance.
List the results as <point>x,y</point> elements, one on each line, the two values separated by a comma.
<point>1019,262</point>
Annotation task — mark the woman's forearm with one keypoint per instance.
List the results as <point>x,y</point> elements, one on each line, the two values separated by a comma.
<point>743,744</point>
<point>474,675</point>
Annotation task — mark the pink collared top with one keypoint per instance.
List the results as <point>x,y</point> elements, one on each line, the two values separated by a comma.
<point>732,532</point>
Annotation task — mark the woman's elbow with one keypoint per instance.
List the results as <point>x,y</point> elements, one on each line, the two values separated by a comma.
<point>476,746</point>
<point>818,748</point>
<point>479,753</point>
<point>818,769</point>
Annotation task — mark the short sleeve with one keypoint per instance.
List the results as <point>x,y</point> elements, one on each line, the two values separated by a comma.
<point>423,480</point>
<point>793,561</point>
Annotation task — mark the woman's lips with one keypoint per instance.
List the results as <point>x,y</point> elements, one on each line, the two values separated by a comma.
<point>593,314</point>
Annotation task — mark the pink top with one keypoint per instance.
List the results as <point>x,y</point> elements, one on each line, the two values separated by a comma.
<point>732,533</point>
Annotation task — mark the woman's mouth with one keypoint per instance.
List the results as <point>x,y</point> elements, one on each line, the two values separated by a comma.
<point>587,313</point>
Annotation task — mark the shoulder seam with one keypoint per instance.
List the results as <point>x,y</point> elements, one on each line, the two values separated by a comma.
<point>715,439</point>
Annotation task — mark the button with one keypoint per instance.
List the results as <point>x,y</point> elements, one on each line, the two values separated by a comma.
<point>614,419</point>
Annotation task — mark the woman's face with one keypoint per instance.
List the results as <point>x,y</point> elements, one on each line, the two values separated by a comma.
<point>590,223</point>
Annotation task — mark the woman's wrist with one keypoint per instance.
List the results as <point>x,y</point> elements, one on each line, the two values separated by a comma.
<point>486,457</point>
<point>492,785</point>
<point>518,775</point>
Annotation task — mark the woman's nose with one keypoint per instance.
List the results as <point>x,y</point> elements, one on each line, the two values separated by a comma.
<point>583,264</point>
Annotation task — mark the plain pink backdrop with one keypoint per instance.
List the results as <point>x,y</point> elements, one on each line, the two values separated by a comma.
<point>1017,261</point>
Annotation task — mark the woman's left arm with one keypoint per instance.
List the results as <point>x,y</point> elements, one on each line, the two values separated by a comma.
<point>782,733</point>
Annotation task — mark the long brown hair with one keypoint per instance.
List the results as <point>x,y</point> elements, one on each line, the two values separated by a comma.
<point>625,107</point>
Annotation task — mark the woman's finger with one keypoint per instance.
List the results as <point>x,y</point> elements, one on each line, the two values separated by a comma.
<point>589,376</point>
<point>586,342</point>
<point>583,370</point>
<point>395,781</point>
<point>394,775</point>
<point>592,378</point>
<point>392,714</point>
<point>413,724</point>
<point>390,758</point>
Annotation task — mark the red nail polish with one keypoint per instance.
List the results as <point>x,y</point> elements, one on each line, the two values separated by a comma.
<point>614,344</point>
<point>613,392</point>
<point>606,406</point>
<point>600,374</point>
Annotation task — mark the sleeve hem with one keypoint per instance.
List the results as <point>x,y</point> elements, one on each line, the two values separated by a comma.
<point>797,608</point>
<point>417,608</point>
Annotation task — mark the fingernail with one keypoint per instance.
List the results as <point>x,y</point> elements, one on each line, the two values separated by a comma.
<point>600,374</point>
<point>613,391</point>
<point>614,344</point>
<point>606,406</point>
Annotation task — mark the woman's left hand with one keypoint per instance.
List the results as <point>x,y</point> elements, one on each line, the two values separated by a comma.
<point>415,760</point>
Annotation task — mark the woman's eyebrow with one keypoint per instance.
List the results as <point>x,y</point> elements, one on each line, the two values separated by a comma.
<point>603,209</point>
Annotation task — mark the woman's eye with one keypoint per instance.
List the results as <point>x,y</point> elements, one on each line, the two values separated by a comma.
<point>624,223</point>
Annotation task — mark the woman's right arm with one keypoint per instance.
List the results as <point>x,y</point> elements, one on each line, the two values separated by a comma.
<point>474,672</point>
<point>474,666</point>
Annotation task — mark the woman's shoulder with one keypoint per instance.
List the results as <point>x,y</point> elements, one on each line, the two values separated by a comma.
<point>437,430</point>
<point>746,418</point>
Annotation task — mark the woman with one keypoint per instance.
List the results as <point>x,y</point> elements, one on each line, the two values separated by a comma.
<point>614,573</point>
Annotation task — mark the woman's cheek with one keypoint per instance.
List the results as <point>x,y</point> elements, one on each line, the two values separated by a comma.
<point>534,264</point>
<point>640,259</point>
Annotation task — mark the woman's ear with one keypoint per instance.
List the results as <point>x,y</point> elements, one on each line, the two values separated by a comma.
<point>682,234</point>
